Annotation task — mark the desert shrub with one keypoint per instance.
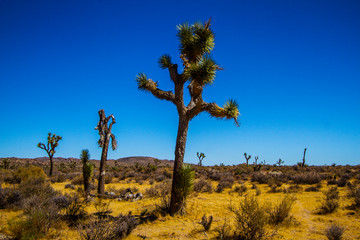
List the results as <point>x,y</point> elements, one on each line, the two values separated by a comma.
<point>23,228</point>
<point>354,193</point>
<point>240,189</point>
<point>293,189</point>
<point>206,222</point>
<point>274,189</point>
<point>224,231</point>
<point>260,177</point>
<point>58,178</point>
<point>102,208</point>
<point>312,189</point>
<point>250,220</point>
<point>108,229</point>
<point>160,178</point>
<point>25,173</point>
<point>70,186</point>
<point>334,232</point>
<point>78,180</point>
<point>215,176</point>
<point>203,186</point>
<point>226,181</point>
<point>306,178</point>
<point>76,209</point>
<point>9,198</point>
<point>61,201</point>
<point>7,176</point>
<point>258,192</point>
<point>36,186</point>
<point>108,178</point>
<point>40,214</point>
<point>330,202</point>
<point>281,211</point>
<point>159,190</point>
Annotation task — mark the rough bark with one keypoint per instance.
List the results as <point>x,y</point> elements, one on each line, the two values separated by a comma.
<point>175,202</point>
<point>51,165</point>
<point>101,183</point>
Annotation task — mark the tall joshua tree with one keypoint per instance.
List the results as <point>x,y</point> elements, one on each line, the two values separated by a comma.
<point>104,128</point>
<point>52,143</point>
<point>87,170</point>
<point>196,43</point>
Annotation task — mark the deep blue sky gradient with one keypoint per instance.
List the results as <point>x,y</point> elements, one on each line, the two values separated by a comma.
<point>293,66</point>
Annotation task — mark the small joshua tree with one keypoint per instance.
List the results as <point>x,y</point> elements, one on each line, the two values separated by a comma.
<point>196,43</point>
<point>302,164</point>
<point>201,157</point>
<point>52,143</point>
<point>257,166</point>
<point>186,185</point>
<point>247,158</point>
<point>87,170</point>
<point>105,136</point>
<point>279,162</point>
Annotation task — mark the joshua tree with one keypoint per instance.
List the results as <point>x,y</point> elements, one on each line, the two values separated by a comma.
<point>105,136</point>
<point>201,157</point>
<point>196,43</point>
<point>279,162</point>
<point>302,164</point>
<point>87,170</point>
<point>52,143</point>
<point>247,158</point>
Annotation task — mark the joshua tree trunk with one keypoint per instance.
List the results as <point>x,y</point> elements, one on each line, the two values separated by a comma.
<point>175,202</point>
<point>101,185</point>
<point>105,136</point>
<point>51,165</point>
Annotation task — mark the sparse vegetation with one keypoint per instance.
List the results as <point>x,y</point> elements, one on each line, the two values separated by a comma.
<point>334,232</point>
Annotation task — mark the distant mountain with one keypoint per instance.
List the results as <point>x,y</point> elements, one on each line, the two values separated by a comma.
<point>125,160</point>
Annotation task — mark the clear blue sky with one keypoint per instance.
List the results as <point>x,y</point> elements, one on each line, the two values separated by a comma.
<point>293,66</point>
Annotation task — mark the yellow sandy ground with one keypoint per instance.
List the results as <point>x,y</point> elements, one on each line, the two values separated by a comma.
<point>307,224</point>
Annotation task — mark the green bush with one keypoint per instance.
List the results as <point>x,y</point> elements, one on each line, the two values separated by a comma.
<point>281,211</point>
<point>250,220</point>
<point>330,202</point>
<point>334,232</point>
<point>25,173</point>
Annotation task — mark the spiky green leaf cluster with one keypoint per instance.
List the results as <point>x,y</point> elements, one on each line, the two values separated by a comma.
<point>165,61</point>
<point>85,155</point>
<point>186,181</point>
<point>203,72</point>
<point>195,40</point>
<point>231,108</point>
<point>141,80</point>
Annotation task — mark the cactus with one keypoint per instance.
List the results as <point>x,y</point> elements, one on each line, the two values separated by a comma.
<point>105,136</point>
<point>247,158</point>
<point>201,157</point>
<point>52,143</point>
<point>88,169</point>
